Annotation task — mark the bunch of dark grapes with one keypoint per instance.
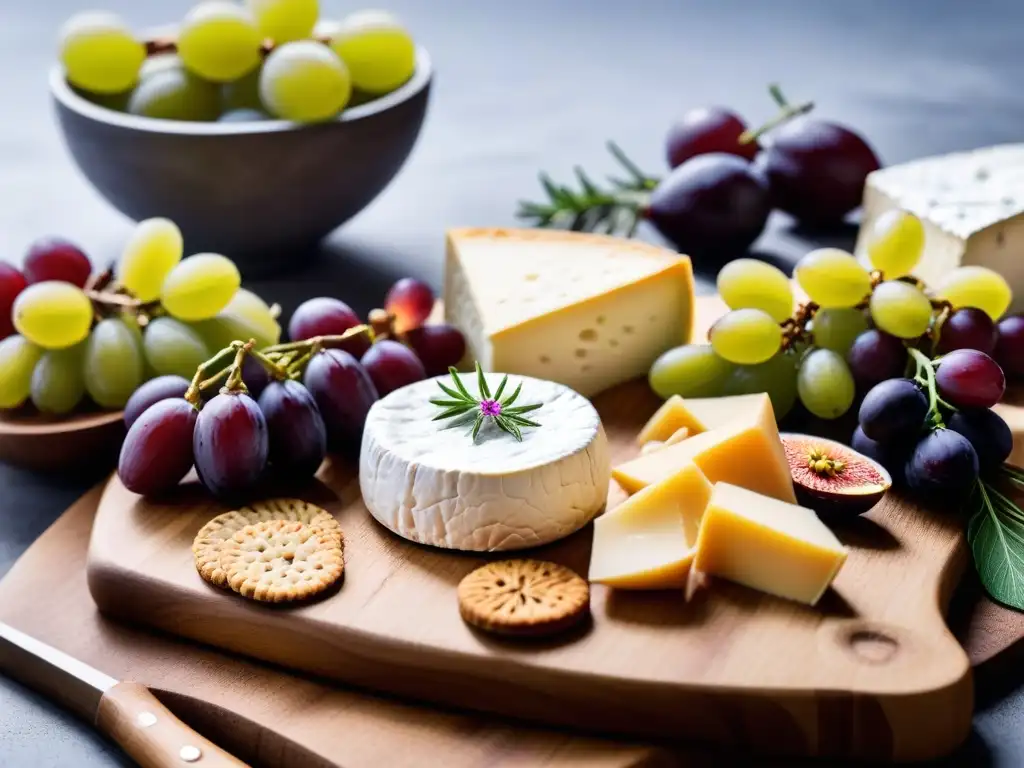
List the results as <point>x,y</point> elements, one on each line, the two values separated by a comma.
<point>282,408</point>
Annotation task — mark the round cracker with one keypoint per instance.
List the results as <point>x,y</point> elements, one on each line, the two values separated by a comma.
<point>281,561</point>
<point>523,597</point>
<point>206,548</point>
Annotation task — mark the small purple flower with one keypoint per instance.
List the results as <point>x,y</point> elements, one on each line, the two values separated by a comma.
<point>490,407</point>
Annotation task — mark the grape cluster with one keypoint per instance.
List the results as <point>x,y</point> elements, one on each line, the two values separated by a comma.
<point>857,329</point>
<point>216,68</point>
<point>73,334</point>
<point>276,411</point>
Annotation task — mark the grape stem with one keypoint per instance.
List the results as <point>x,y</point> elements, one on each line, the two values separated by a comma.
<point>200,382</point>
<point>925,376</point>
<point>786,113</point>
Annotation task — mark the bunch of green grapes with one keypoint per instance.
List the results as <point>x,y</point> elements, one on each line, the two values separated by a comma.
<point>164,315</point>
<point>852,333</point>
<point>236,62</point>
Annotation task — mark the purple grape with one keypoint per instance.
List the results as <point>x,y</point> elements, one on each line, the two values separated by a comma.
<point>157,452</point>
<point>410,301</point>
<point>876,357</point>
<point>321,317</point>
<point>968,378</point>
<point>230,444</point>
<point>153,391</point>
<point>893,410</point>
<point>943,467</point>
<point>343,392</point>
<point>1009,352</point>
<point>892,456</point>
<point>298,437</point>
<point>988,434</point>
<point>437,347</point>
<point>255,376</point>
<point>392,366</point>
<point>55,259</point>
<point>968,328</point>
<point>711,205</point>
<point>704,130</point>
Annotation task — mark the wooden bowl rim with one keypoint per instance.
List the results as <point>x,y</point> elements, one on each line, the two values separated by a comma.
<point>63,93</point>
<point>82,422</point>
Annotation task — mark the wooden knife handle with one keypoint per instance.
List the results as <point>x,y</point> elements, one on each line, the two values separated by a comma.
<point>145,729</point>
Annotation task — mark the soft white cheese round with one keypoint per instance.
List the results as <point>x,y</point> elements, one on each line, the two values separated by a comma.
<point>430,483</point>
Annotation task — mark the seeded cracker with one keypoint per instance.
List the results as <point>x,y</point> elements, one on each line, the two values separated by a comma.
<point>523,597</point>
<point>281,560</point>
<point>209,541</point>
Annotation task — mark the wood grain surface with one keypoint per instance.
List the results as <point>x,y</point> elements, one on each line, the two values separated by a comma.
<point>871,672</point>
<point>54,443</point>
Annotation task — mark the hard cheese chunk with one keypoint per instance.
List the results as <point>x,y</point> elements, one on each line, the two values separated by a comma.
<point>746,452</point>
<point>698,414</point>
<point>778,548</point>
<point>647,542</point>
<point>587,311</point>
<point>971,205</point>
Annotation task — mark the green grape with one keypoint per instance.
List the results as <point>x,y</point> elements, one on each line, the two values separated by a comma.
<point>285,20</point>
<point>174,93</point>
<point>833,278</point>
<point>18,358</point>
<point>99,53</point>
<point>836,329</point>
<point>247,308</point>
<point>58,383</point>
<point>895,243</point>
<point>219,41</point>
<point>173,347</point>
<point>777,377</point>
<point>825,384</point>
<point>52,314</point>
<point>200,286</point>
<point>746,336</point>
<point>377,49</point>
<point>152,251</point>
<point>693,370</point>
<point>753,284</point>
<point>243,93</point>
<point>113,366</point>
<point>305,82</point>
<point>976,287</point>
<point>900,309</point>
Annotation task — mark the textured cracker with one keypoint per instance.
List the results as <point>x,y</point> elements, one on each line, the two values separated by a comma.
<point>208,542</point>
<point>523,597</point>
<point>280,561</point>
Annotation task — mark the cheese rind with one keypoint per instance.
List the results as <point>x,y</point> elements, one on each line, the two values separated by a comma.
<point>971,205</point>
<point>746,452</point>
<point>766,544</point>
<point>647,542</point>
<point>588,311</point>
<point>430,483</point>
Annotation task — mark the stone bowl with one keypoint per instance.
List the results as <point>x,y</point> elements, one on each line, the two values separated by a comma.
<point>261,193</point>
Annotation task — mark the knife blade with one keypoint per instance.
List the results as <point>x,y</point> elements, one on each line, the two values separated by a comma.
<point>126,712</point>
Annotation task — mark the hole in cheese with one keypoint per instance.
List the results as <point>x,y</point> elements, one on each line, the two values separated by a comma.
<point>581,353</point>
<point>588,334</point>
<point>544,359</point>
<point>628,329</point>
<point>601,319</point>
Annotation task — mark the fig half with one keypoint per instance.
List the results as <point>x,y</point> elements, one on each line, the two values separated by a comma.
<point>832,478</point>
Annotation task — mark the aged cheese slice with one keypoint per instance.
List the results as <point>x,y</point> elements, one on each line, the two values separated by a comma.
<point>746,452</point>
<point>429,482</point>
<point>698,414</point>
<point>778,548</point>
<point>647,542</point>
<point>971,205</point>
<point>588,311</point>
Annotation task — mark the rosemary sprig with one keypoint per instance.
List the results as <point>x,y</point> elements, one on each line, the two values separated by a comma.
<point>508,417</point>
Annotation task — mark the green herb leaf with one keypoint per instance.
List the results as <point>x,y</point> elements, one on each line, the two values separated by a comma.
<point>449,403</point>
<point>512,398</point>
<point>476,426</point>
<point>462,402</point>
<point>501,388</point>
<point>522,408</point>
<point>459,385</point>
<point>481,381</point>
<point>996,536</point>
<point>452,393</point>
<point>456,411</point>
<point>521,421</point>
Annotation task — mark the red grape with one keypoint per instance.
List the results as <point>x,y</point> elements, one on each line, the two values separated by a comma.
<point>968,328</point>
<point>56,259</point>
<point>705,130</point>
<point>943,467</point>
<point>392,365</point>
<point>298,437</point>
<point>321,317</point>
<point>437,347</point>
<point>968,378</point>
<point>12,282</point>
<point>344,392</point>
<point>255,376</point>
<point>153,391</point>
<point>157,452</point>
<point>1009,350</point>
<point>816,170</point>
<point>711,205</point>
<point>875,357</point>
<point>411,301</point>
<point>988,433</point>
<point>230,444</point>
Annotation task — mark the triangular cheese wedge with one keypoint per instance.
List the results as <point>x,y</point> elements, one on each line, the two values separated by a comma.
<point>746,452</point>
<point>587,311</point>
<point>647,542</point>
<point>697,414</point>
